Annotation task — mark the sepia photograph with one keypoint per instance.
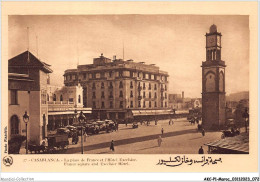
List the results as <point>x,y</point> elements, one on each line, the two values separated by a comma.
<point>128,84</point>
<point>130,87</point>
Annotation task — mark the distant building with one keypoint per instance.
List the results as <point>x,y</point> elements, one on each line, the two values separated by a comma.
<point>179,102</point>
<point>115,88</point>
<point>176,101</point>
<point>64,104</point>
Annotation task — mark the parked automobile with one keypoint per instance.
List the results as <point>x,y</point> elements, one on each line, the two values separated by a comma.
<point>101,125</point>
<point>92,128</point>
<point>110,125</point>
<point>61,131</point>
<point>230,133</point>
<point>72,130</point>
<point>135,125</point>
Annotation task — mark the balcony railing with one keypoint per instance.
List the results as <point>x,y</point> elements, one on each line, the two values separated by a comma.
<point>162,89</point>
<point>139,97</point>
<point>60,103</point>
<point>111,97</point>
<point>139,87</point>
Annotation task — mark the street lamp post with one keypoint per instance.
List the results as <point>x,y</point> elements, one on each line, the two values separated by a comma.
<point>26,120</point>
<point>81,120</point>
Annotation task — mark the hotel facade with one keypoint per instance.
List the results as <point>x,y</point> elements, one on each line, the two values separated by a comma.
<point>118,89</point>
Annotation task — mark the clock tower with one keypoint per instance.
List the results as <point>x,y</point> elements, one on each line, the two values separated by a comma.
<point>213,82</point>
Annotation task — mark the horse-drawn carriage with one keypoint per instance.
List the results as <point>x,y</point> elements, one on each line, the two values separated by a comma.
<point>55,142</point>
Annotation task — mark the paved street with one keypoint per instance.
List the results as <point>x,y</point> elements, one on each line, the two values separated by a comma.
<point>179,138</point>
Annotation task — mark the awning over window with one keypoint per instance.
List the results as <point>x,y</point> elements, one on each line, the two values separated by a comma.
<point>84,110</point>
<point>238,143</point>
<point>151,112</point>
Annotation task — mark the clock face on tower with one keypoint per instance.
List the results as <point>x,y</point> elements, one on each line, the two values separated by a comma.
<point>211,41</point>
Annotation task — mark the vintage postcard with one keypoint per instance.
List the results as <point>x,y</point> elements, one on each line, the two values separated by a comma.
<point>129,87</point>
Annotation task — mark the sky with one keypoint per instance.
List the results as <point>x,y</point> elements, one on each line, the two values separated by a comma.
<point>175,43</point>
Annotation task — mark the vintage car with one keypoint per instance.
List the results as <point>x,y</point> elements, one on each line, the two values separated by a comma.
<point>111,126</point>
<point>92,128</point>
<point>61,131</point>
<point>230,133</point>
<point>101,125</point>
<point>72,130</point>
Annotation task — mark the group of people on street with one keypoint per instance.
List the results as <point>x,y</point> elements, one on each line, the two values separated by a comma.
<point>171,122</point>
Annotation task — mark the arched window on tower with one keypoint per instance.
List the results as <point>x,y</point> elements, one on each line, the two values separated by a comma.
<point>218,55</point>
<point>54,97</point>
<point>210,82</point>
<point>61,98</point>
<point>48,98</point>
<point>120,84</point>
<point>79,99</point>
<point>221,81</point>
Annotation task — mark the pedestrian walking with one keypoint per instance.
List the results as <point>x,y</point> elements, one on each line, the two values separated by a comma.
<point>201,151</point>
<point>116,126</point>
<point>159,140</point>
<point>85,137</point>
<point>112,146</point>
<point>162,131</point>
<point>203,132</point>
<point>75,138</point>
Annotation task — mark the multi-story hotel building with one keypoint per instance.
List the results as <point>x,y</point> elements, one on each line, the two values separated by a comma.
<point>117,89</point>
